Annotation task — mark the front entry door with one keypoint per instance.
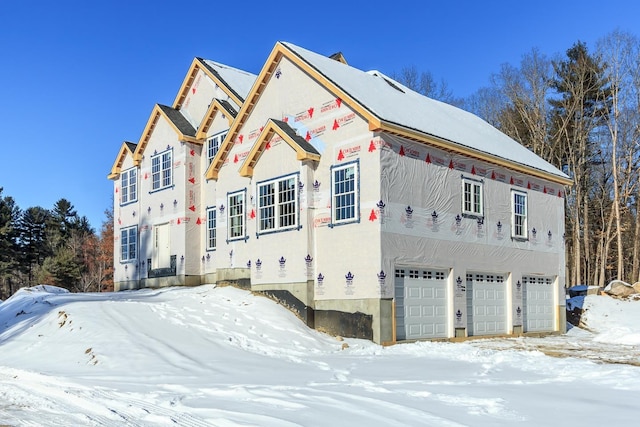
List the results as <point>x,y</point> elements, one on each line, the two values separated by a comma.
<point>161,250</point>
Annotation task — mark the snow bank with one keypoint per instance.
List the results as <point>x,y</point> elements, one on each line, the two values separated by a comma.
<point>612,320</point>
<point>208,356</point>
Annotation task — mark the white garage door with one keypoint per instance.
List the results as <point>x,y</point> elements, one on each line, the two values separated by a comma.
<point>486,304</point>
<point>421,303</point>
<point>538,304</point>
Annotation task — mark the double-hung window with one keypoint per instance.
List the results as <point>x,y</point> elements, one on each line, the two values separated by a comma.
<point>128,186</point>
<point>162,170</point>
<point>344,197</point>
<point>519,215</point>
<point>236,212</point>
<point>211,228</point>
<point>213,145</point>
<point>472,197</point>
<point>278,204</point>
<point>129,243</point>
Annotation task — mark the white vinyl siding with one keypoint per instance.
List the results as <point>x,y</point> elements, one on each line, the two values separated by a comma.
<point>129,186</point>
<point>277,204</point>
<point>162,170</point>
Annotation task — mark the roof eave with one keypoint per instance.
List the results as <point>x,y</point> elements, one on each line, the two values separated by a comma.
<point>451,146</point>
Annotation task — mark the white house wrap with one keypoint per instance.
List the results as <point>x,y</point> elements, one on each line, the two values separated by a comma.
<point>370,210</point>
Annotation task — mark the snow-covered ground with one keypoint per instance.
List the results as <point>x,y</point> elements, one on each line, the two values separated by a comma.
<point>208,356</point>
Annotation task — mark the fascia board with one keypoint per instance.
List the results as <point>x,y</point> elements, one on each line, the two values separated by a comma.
<point>117,164</point>
<point>210,116</point>
<point>186,84</point>
<point>146,134</point>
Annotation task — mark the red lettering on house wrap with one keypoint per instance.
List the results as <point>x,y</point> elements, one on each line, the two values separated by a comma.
<point>304,115</point>
<point>346,119</point>
<point>331,105</point>
<point>349,152</point>
<point>253,134</point>
<point>460,166</point>
<point>412,152</point>
<point>319,222</point>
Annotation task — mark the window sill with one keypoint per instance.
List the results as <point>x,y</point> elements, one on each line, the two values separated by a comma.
<point>162,188</point>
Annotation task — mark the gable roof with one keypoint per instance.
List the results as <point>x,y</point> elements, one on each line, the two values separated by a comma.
<point>179,121</point>
<point>304,150</point>
<point>216,105</point>
<point>390,107</point>
<point>174,117</point>
<point>338,56</point>
<point>397,107</point>
<point>126,149</point>
<point>234,82</point>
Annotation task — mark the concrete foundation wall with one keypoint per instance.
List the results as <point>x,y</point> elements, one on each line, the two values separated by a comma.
<point>380,311</point>
<point>302,291</point>
<point>238,277</point>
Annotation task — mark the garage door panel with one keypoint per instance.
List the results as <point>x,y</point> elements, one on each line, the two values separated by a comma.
<point>539,305</point>
<point>422,313</point>
<point>414,311</point>
<point>413,292</point>
<point>486,304</point>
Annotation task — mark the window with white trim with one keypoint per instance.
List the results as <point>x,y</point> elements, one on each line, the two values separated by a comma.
<point>235,212</point>
<point>344,186</point>
<point>278,204</point>
<point>213,145</point>
<point>472,195</point>
<point>211,228</point>
<point>162,170</point>
<point>129,243</point>
<point>519,214</point>
<point>129,186</point>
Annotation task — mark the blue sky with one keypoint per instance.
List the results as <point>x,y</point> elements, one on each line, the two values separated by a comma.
<point>77,78</point>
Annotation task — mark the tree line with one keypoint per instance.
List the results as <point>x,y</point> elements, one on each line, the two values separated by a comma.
<point>581,112</point>
<point>53,246</point>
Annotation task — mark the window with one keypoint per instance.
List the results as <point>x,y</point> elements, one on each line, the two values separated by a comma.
<point>161,170</point>
<point>345,193</point>
<point>129,186</point>
<point>211,228</point>
<point>278,204</point>
<point>213,145</point>
<point>129,243</point>
<point>519,214</point>
<point>236,215</point>
<point>472,197</point>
